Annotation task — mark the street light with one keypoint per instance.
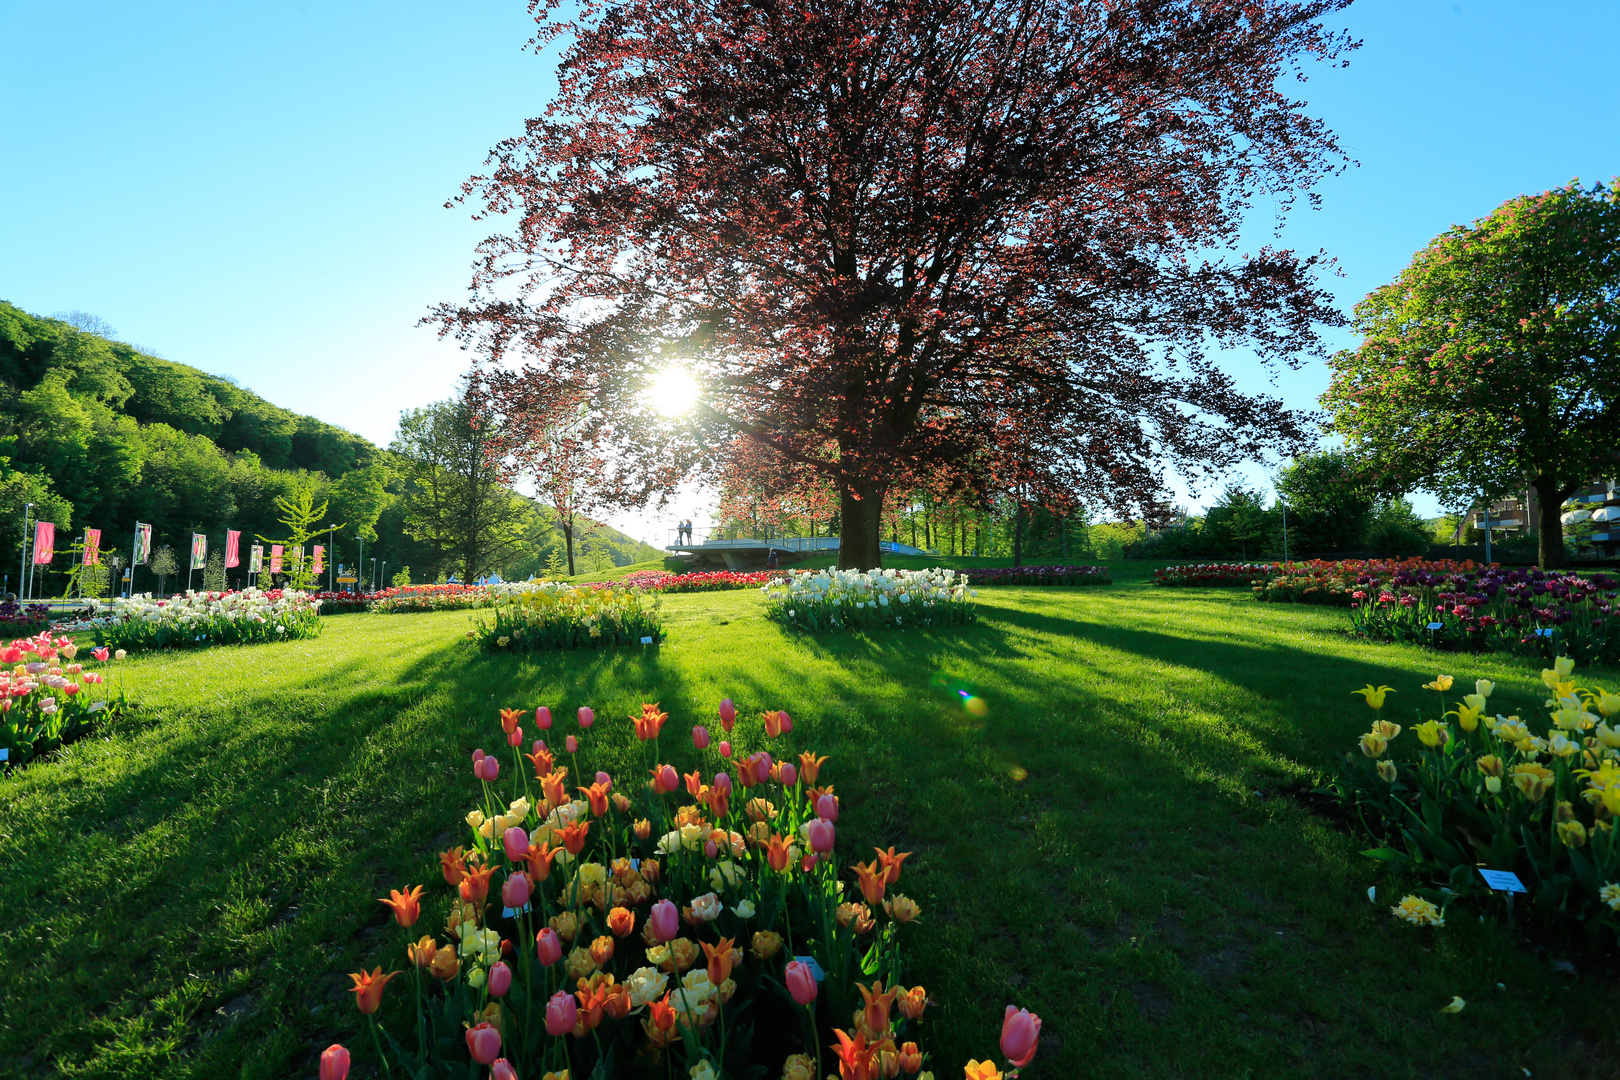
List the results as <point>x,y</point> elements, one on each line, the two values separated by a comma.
<point>373,575</point>
<point>22,566</point>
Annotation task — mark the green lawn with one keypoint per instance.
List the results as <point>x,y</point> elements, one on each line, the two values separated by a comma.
<point>183,897</point>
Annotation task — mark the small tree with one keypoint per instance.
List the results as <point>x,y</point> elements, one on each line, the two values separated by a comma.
<point>163,564</point>
<point>214,573</point>
<point>401,579</point>
<point>302,518</point>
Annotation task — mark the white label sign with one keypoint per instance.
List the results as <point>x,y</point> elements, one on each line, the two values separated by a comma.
<point>1502,880</point>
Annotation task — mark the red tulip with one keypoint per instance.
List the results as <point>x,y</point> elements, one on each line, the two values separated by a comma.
<point>725,748</point>
<point>515,737</point>
<point>665,920</point>
<point>605,780</point>
<point>334,1063</point>
<point>820,834</point>
<point>542,718</point>
<point>586,717</point>
<point>827,808</point>
<point>1020,1035</point>
<point>562,1013</point>
<point>572,744</point>
<point>500,980</point>
<point>669,778</point>
<point>700,737</point>
<point>516,892</point>
<point>800,982</point>
<point>484,1043</point>
<point>728,714</point>
<point>722,783</point>
<point>487,769</point>
<point>548,946</point>
<point>516,843</point>
<point>790,775</point>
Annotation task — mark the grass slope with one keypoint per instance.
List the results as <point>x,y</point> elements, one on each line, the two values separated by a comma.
<point>182,897</point>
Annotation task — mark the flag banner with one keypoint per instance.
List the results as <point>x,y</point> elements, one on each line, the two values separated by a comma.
<point>44,542</point>
<point>255,558</point>
<point>92,547</point>
<point>275,558</point>
<point>233,549</point>
<point>319,562</point>
<point>143,544</point>
<point>199,550</point>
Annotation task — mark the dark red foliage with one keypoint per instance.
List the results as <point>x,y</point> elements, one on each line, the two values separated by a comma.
<point>889,239</point>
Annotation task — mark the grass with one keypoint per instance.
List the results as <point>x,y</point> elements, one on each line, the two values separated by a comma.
<point>1109,847</point>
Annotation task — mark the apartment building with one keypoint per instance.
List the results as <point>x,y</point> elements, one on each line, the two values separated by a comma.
<point>1591,517</point>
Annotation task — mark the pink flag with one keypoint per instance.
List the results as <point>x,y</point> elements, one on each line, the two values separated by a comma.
<point>233,549</point>
<point>275,558</point>
<point>44,542</point>
<point>320,554</point>
<point>92,546</point>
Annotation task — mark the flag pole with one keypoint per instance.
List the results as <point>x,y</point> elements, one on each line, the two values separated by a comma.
<point>23,564</point>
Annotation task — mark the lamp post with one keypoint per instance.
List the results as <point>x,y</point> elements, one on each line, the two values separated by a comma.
<point>330,572</point>
<point>374,575</point>
<point>23,565</point>
<point>1284,505</point>
<point>1487,517</point>
<point>384,573</point>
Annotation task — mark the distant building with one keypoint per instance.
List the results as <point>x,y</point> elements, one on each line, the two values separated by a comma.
<point>1517,516</point>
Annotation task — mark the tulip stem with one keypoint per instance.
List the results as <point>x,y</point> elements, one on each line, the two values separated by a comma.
<point>377,1042</point>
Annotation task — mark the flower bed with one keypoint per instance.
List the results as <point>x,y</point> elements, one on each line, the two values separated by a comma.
<point>1219,575</point>
<point>1528,612</point>
<point>46,698</point>
<point>697,927</point>
<point>702,581</point>
<point>1473,790</point>
<point>204,618</point>
<point>27,620</point>
<point>1334,583</point>
<point>553,616</point>
<point>870,599</point>
<point>342,603</point>
<point>1038,575</point>
<point>409,598</point>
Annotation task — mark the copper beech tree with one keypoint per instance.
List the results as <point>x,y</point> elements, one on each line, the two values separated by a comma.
<point>888,238</point>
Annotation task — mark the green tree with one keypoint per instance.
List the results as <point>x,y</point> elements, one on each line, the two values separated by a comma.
<point>1491,363</point>
<point>163,564</point>
<point>455,494</point>
<point>1396,531</point>
<point>1328,510</point>
<point>302,518</point>
<point>213,579</point>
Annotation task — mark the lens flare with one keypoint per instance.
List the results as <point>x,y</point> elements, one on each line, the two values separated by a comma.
<point>673,392</point>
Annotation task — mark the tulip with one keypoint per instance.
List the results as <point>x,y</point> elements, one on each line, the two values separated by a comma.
<point>515,737</point>
<point>665,920</point>
<point>728,714</point>
<point>725,748</point>
<point>487,769</point>
<point>800,982</point>
<point>562,1013</point>
<point>669,778</point>
<point>445,965</point>
<point>102,654</point>
<point>548,946</point>
<point>501,1070</point>
<point>762,767</point>
<point>700,737</point>
<point>827,808</point>
<point>786,721</point>
<point>516,843</point>
<point>572,744</point>
<point>790,776</point>
<point>1020,1035</point>
<point>484,1043</point>
<point>710,849</point>
<point>621,921</point>
<point>516,892</point>
<point>406,905</point>
<point>368,989</point>
<point>478,755</point>
<point>500,979</point>
<point>334,1059</point>
<point>542,718</point>
<point>586,717</point>
<point>820,834</point>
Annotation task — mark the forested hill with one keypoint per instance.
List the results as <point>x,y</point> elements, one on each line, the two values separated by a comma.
<point>96,433</point>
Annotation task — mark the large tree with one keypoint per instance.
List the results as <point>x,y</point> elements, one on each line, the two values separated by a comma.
<point>1491,363</point>
<point>890,238</point>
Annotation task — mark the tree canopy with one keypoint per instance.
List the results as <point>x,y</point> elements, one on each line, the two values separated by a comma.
<point>997,238</point>
<point>1491,363</point>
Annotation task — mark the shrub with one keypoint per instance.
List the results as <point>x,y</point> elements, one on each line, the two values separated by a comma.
<point>825,600</point>
<point>556,616</point>
<point>202,618</point>
<point>1038,575</point>
<point>1475,790</point>
<point>46,699</point>
<point>625,928</point>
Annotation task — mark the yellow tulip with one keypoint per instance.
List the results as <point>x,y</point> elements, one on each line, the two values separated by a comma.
<point>1386,771</point>
<point>1373,744</point>
<point>1441,683</point>
<point>1533,780</point>
<point>1608,704</point>
<point>1468,715</point>
<point>1561,670</point>
<point>1387,728</point>
<point>1431,733</point>
<point>1374,694</point>
<point>1572,834</point>
<point>1483,687</point>
<point>1456,1005</point>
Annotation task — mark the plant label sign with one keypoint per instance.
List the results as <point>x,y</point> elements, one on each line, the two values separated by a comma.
<point>1436,625</point>
<point>646,641</point>
<point>1502,880</point>
<point>514,912</point>
<point>5,754</point>
<point>815,967</point>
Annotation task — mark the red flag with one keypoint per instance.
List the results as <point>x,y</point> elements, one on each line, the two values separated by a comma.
<point>92,546</point>
<point>320,554</point>
<point>233,549</point>
<point>44,542</point>
<point>275,558</point>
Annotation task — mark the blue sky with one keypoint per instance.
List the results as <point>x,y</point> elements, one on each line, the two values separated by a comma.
<point>257,190</point>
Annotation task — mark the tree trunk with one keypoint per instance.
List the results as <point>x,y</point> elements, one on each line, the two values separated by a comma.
<point>568,539</point>
<point>1551,554</point>
<point>859,523</point>
<point>1018,536</point>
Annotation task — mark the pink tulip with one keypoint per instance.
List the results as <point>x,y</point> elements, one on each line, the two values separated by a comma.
<point>710,848</point>
<point>515,738</point>
<point>484,1043</point>
<point>516,891</point>
<point>787,722</point>
<point>668,778</point>
<point>542,718</point>
<point>800,982</point>
<point>562,1013</point>
<point>604,778</point>
<point>334,1063</point>
<point>827,807</point>
<point>725,748</point>
<point>516,843</point>
<point>820,833</point>
<point>572,744</point>
<point>728,714</point>
<point>539,745</point>
<point>586,717</point>
<point>790,775</point>
<point>478,755</point>
<point>502,1070</point>
<point>500,980</point>
<point>487,768</point>
<point>722,783</point>
<point>548,946</point>
<point>102,654</point>
<point>665,920</point>
<point>700,737</point>
<point>809,863</point>
<point>1020,1036</point>
<point>762,767</point>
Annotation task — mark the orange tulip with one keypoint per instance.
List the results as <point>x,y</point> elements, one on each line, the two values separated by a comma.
<point>694,783</point>
<point>722,958</point>
<point>982,1070</point>
<point>597,794</point>
<point>855,1058</point>
<point>912,1002</point>
<point>643,829</point>
<point>778,853</point>
<point>474,888</point>
<point>773,723</point>
<point>591,1002</point>
<point>659,1024</point>
<point>368,989</point>
<point>873,882</point>
<point>910,1058</point>
<point>602,950</point>
<point>891,863</point>
<point>810,767</point>
<point>621,802</point>
<point>876,1014</point>
<point>407,905</point>
<point>539,859</point>
<point>445,965</point>
<point>542,762</point>
<point>573,837</point>
<point>554,788</point>
<point>454,864</point>
<point>422,952</point>
<point>650,722</point>
<point>621,921</point>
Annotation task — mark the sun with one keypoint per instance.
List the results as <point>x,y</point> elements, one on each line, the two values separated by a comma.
<point>673,392</point>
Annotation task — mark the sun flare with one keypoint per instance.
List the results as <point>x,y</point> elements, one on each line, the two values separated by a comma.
<point>673,392</point>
